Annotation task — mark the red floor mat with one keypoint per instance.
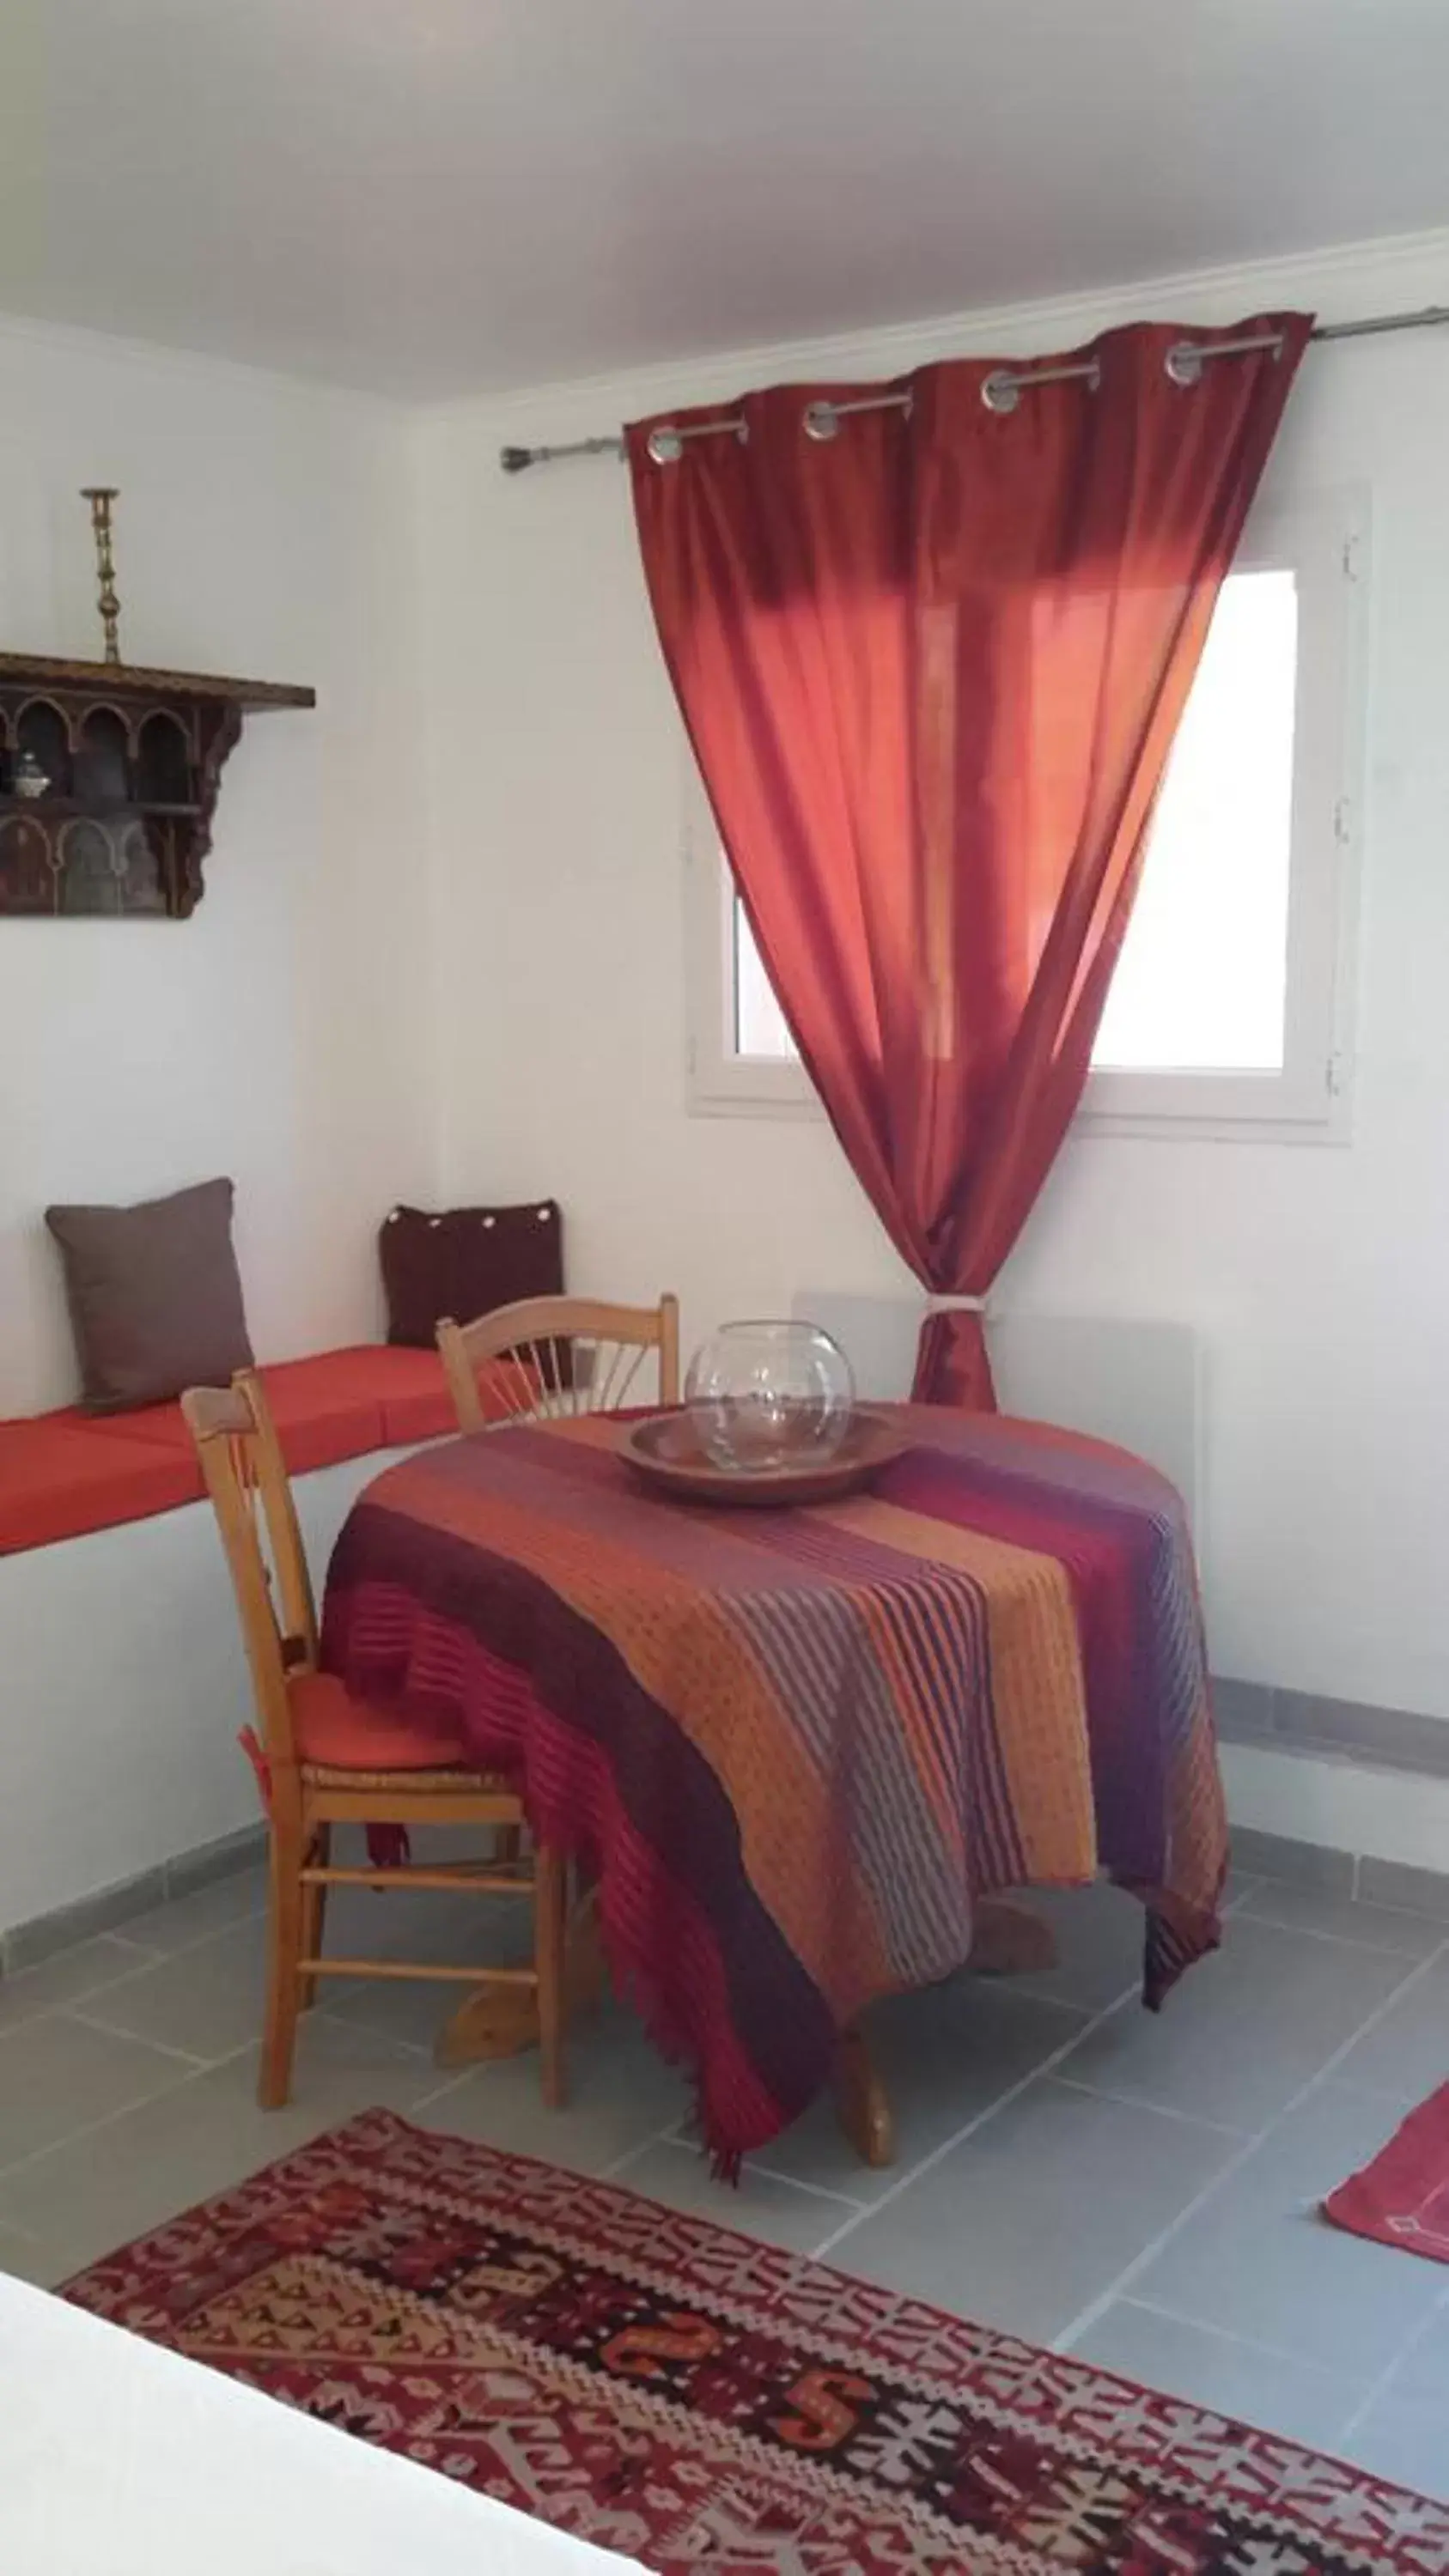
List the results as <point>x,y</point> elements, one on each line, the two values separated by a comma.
<point>1402,2198</point>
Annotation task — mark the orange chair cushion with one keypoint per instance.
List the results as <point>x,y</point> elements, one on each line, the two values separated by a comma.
<point>347,1734</point>
<point>57,1480</point>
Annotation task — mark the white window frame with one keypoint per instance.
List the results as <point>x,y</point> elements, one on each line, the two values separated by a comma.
<point>722,1084</point>
<point>1325,541</point>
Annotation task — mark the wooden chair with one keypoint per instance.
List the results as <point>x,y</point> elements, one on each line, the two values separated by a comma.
<point>550,1358</point>
<point>327,1759</point>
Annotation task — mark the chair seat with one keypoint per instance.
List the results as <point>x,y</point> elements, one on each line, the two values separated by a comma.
<point>335,1732</point>
<point>473,1784</point>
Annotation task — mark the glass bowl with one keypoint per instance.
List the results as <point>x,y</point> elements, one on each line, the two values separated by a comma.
<point>766,1395</point>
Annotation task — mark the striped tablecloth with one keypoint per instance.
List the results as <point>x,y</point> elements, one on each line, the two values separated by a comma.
<point>797,1747</point>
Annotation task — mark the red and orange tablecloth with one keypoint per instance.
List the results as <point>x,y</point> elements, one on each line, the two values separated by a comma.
<point>797,1747</point>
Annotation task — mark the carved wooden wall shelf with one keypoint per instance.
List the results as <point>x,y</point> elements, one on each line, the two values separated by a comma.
<point>132,762</point>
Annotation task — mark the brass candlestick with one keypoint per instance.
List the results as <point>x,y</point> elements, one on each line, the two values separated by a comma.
<point>100,497</point>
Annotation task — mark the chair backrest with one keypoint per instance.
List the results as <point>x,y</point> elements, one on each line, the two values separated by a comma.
<point>246,1477</point>
<point>547,1359</point>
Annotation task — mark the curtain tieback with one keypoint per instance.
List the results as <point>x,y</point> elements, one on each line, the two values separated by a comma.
<point>951,1360</point>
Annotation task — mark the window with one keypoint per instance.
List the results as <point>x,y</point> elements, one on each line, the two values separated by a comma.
<point>1228,1011</point>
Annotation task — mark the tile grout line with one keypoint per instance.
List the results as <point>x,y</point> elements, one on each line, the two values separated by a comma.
<point>9,1986</point>
<point>114,1926</point>
<point>94,2128</point>
<point>354,2029</point>
<point>183,1949</point>
<point>1229,2334</point>
<point>455,2082</point>
<point>1090,2021</point>
<point>146,1961</point>
<point>816,2190</point>
<point>196,2070</point>
<point>979,2120</point>
<point>136,2039</point>
<point>1086,2317</point>
<point>149,1959</point>
<point>1341,1940</point>
<point>621,2163</point>
<point>152,1956</point>
<point>1249,1888</point>
<point>1159,2110</point>
<point>1378,2387</point>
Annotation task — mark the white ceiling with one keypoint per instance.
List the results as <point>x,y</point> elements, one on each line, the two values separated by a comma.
<point>431,196</point>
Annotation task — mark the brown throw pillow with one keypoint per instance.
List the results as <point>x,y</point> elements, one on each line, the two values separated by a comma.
<point>155,1300</point>
<point>465,1262</point>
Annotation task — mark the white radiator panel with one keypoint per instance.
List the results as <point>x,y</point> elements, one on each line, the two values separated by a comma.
<point>877,1334</point>
<point>1133,1379</point>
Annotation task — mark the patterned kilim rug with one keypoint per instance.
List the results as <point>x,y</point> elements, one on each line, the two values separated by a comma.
<point>672,2390</point>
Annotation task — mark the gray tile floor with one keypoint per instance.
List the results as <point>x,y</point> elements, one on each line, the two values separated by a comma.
<point>1141,2191</point>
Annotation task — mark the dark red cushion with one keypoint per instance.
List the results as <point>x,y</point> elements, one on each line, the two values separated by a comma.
<point>466,1262</point>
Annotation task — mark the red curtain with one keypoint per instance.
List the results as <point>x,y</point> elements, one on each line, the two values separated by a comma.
<point>931,669</point>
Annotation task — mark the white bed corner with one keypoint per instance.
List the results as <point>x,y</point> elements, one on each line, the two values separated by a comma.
<point>118,2458</point>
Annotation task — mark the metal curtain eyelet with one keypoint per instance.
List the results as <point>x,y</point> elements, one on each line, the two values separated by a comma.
<point>1000,391</point>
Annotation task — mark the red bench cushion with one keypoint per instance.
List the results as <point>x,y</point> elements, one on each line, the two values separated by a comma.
<point>416,1404</point>
<point>64,1473</point>
<point>322,1407</point>
<point>413,1392</point>
<point>57,1478</point>
<point>338,1405</point>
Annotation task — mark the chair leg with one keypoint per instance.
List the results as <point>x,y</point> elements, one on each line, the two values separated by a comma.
<point>314,1916</point>
<point>284,1949</point>
<point>550,1945</point>
<point>507,1843</point>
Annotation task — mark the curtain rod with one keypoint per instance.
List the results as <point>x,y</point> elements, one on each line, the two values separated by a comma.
<point>1000,391</point>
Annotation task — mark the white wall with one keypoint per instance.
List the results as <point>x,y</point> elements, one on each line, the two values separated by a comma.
<point>281,1035</point>
<point>1317,1276</point>
<point>125,1688</point>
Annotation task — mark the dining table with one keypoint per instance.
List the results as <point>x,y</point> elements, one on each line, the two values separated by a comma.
<point>800,1754</point>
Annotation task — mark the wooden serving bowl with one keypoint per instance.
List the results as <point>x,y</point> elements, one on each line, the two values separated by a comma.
<point>665,1450</point>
